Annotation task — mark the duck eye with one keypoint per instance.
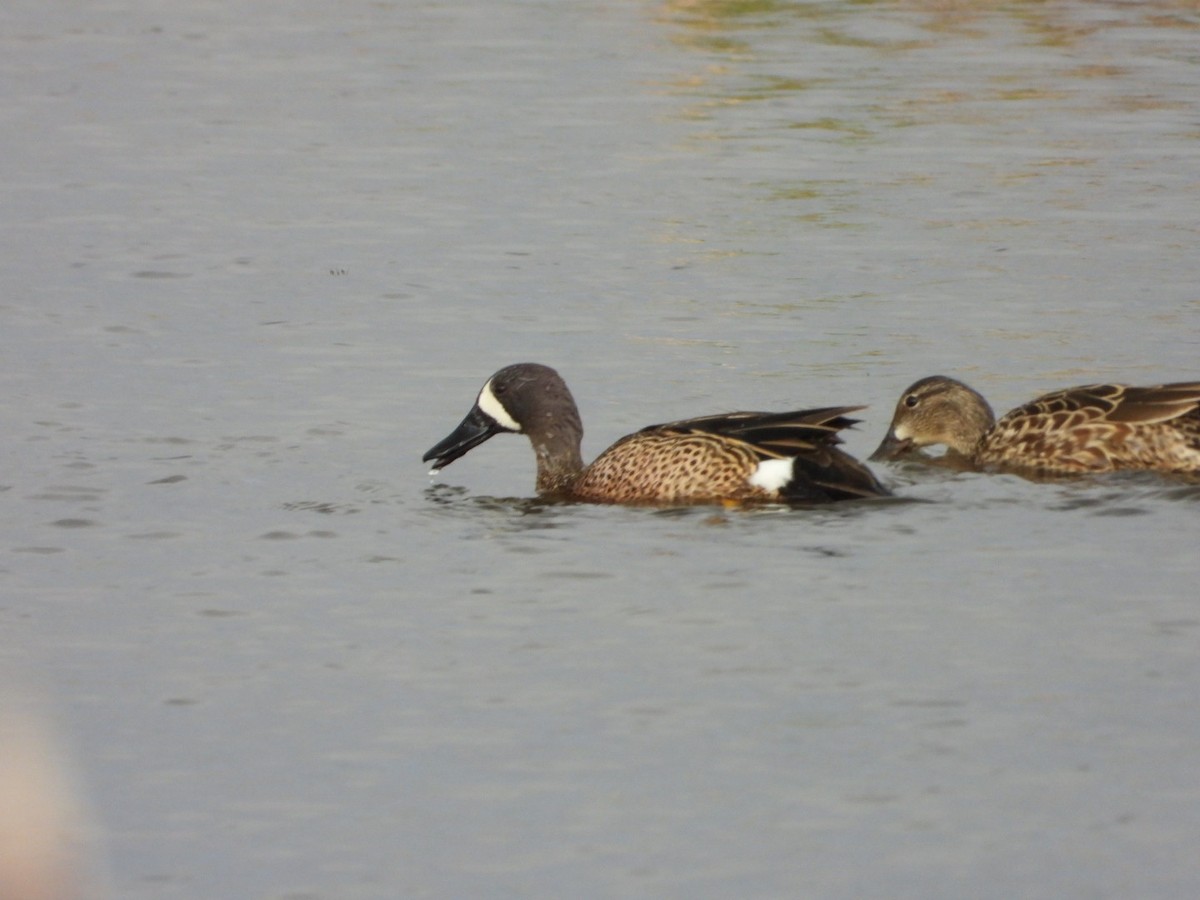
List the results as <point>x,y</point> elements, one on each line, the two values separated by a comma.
<point>911,401</point>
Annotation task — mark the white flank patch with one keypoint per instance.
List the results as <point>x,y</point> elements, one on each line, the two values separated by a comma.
<point>489,404</point>
<point>772,474</point>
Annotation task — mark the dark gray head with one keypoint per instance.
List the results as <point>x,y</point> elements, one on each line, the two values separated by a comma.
<point>937,410</point>
<point>525,398</point>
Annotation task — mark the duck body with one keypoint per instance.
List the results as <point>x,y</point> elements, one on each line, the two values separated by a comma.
<point>1079,430</point>
<point>733,457</point>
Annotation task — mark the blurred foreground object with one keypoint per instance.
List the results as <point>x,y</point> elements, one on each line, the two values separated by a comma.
<point>47,841</point>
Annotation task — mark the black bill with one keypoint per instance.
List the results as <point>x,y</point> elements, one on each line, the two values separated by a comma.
<point>476,428</point>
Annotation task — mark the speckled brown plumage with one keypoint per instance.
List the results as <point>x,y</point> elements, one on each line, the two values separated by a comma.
<point>702,460</point>
<point>1092,428</point>
<point>669,468</point>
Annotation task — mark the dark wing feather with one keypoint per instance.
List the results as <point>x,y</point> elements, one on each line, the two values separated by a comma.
<point>770,434</point>
<point>1161,403</point>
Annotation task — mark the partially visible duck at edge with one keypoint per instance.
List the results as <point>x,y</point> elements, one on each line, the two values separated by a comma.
<point>1078,430</point>
<point>739,457</point>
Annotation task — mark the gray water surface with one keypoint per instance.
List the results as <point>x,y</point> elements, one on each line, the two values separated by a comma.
<point>260,257</point>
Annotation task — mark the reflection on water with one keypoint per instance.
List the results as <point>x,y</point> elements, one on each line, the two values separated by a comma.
<point>1126,493</point>
<point>325,508</point>
<point>1057,25</point>
<point>1118,494</point>
<point>824,83</point>
<point>541,512</point>
<point>517,514</point>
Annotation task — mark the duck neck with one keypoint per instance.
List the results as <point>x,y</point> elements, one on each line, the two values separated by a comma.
<point>556,444</point>
<point>976,425</point>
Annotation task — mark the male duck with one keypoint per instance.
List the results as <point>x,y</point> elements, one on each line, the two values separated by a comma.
<point>740,456</point>
<point>1093,428</point>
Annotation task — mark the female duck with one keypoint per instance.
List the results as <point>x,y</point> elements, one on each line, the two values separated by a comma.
<point>740,457</point>
<point>1093,428</point>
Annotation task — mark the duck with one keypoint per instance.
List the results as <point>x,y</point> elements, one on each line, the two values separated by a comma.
<point>733,458</point>
<point>1091,428</point>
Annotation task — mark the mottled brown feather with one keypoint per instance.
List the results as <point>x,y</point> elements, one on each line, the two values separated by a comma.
<point>1091,428</point>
